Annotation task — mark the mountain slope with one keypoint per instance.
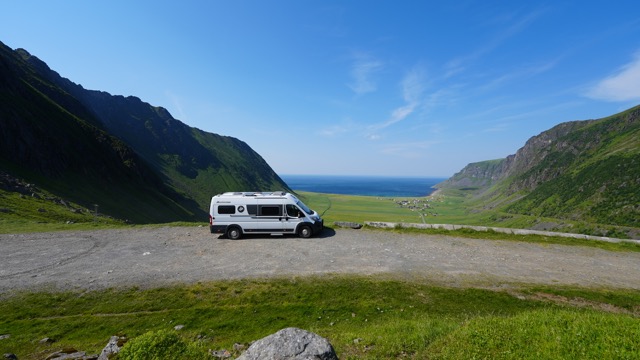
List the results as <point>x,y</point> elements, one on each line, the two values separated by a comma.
<point>580,170</point>
<point>196,163</point>
<point>135,160</point>
<point>48,137</point>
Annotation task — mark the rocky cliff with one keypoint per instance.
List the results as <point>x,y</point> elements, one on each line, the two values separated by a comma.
<point>587,170</point>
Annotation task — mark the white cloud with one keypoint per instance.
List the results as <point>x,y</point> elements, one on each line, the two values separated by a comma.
<point>177,106</point>
<point>362,73</point>
<point>412,93</point>
<point>624,85</point>
<point>461,63</point>
<point>519,74</point>
<point>333,131</point>
<point>409,150</point>
<point>501,127</point>
<point>413,85</point>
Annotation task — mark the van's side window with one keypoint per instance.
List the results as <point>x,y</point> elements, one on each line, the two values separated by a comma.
<point>252,209</point>
<point>226,209</point>
<point>293,211</point>
<point>270,210</point>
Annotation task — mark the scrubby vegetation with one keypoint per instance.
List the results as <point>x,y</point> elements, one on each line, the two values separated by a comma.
<point>161,344</point>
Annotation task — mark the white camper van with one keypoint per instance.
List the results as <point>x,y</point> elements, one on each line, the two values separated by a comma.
<point>238,213</point>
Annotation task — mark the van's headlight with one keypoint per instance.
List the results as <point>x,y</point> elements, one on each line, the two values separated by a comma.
<point>315,218</point>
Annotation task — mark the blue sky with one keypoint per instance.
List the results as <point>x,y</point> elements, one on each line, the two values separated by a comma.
<point>401,88</point>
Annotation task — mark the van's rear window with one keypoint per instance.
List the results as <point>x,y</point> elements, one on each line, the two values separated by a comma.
<point>226,209</point>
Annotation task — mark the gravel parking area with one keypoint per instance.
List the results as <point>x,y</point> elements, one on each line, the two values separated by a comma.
<point>149,257</point>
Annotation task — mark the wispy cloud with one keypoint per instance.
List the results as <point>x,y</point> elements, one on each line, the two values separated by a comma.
<point>520,73</point>
<point>460,64</point>
<point>177,106</point>
<point>500,127</point>
<point>362,72</point>
<point>623,85</point>
<point>334,130</point>
<point>412,92</point>
<point>410,150</point>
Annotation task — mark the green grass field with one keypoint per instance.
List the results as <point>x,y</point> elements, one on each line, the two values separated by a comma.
<point>449,207</point>
<point>446,208</point>
<point>363,318</point>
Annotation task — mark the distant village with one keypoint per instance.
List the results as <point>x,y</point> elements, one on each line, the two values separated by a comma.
<point>422,205</point>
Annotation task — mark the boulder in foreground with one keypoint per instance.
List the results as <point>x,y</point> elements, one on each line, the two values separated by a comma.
<point>290,344</point>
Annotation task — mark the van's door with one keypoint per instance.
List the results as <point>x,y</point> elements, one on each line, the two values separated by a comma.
<point>292,218</point>
<point>270,217</point>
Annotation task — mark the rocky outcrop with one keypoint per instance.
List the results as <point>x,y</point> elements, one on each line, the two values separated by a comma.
<point>580,170</point>
<point>486,173</point>
<point>113,347</point>
<point>348,224</point>
<point>110,350</point>
<point>290,344</point>
<point>480,174</point>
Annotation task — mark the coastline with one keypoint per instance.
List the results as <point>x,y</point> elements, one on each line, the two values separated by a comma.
<point>375,186</point>
<point>435,193</point>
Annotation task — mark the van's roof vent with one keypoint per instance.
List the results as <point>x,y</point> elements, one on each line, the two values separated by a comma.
<point>281,193</point>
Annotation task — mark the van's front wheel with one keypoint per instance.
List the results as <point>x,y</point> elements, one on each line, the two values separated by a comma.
<point>305,231</point>
<point>234,233</point>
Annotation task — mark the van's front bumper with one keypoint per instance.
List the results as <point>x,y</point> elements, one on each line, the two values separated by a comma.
<point>318,226</point>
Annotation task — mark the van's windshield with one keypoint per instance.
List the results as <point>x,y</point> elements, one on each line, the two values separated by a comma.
<point>304,207</point>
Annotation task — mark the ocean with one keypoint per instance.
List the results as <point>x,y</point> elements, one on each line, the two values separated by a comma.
<point>363,185</point>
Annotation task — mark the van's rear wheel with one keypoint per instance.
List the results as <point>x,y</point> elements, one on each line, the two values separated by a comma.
<point>234,233</point>
<point>305,231</point>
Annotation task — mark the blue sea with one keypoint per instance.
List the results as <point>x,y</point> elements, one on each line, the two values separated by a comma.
<point>363,185</point>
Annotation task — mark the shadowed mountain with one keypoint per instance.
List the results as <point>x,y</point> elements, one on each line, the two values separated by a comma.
<point>133,159</point>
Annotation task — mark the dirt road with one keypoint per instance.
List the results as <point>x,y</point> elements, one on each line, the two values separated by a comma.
<point>148,257</point>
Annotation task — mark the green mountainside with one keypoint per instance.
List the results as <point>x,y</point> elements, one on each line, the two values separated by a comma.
<point>580,170</point>
<point>133,159</point>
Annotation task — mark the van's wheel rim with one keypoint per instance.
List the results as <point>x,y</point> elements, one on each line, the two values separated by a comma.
<point>305,232</point>
<point>233,234</point>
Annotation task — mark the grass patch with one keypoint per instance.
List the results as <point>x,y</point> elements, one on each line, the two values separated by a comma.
<point>543,334</point>
<point>363,317</point>
<point>444,209</point>
<point>45,212</point>
<point>537,239</point>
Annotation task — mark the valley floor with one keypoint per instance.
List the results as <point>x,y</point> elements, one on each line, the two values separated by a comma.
<point>149,257</point>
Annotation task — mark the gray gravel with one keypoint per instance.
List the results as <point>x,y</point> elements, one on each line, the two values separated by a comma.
<point>149,257</point>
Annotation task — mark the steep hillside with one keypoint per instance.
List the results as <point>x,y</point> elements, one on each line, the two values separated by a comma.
<point>49,138</point>
<point>196,163</point>
<point>477,176</point>
<point>135,160</point>
<point>581,170</point>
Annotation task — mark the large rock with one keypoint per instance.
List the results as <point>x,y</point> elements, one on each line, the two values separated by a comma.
<point>113,347</point>
<point>348,224</point>
<point>290,344</point>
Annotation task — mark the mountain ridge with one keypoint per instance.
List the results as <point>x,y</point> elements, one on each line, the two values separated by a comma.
<point>56,133</point>
<point>582,170</point>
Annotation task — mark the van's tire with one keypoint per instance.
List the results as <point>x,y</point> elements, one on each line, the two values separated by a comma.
<point>234,233</point>
<point>305,231</point>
